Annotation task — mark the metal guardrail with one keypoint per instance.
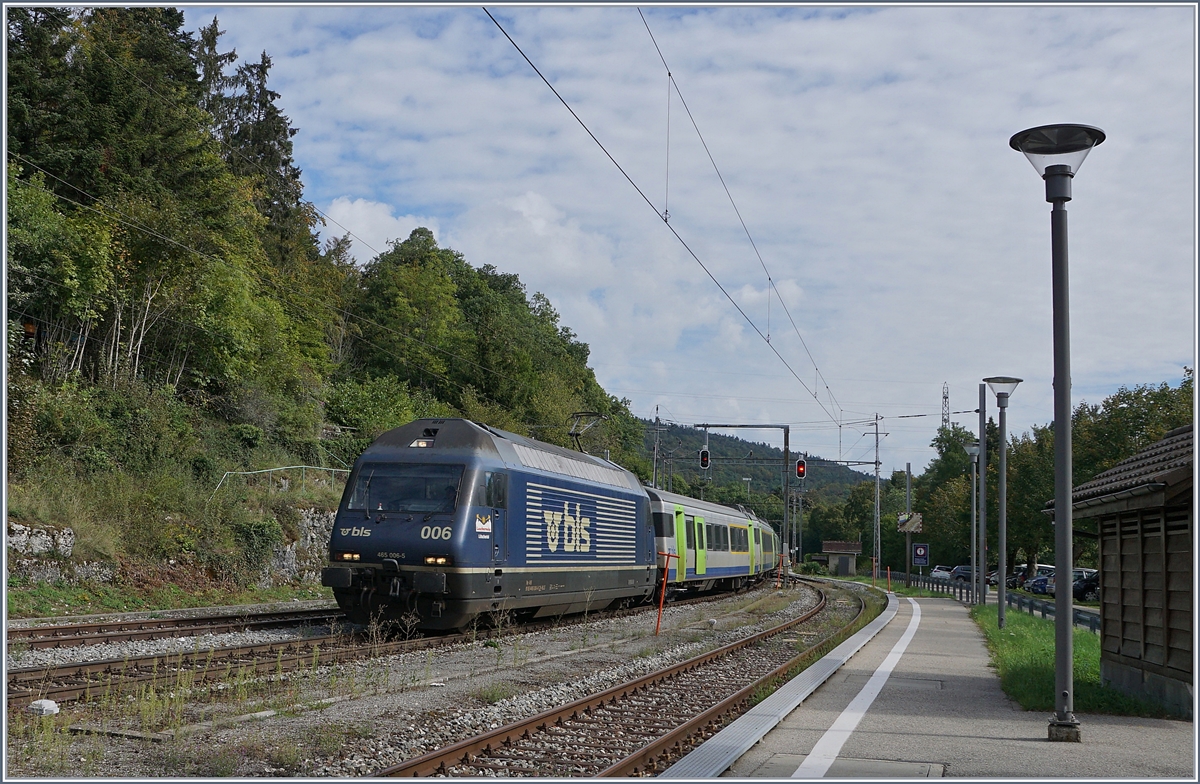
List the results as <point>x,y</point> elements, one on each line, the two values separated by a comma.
<point>1084,618</point>
<point>963,590</point>
<point>269,471</point>
<point>1079,617</point>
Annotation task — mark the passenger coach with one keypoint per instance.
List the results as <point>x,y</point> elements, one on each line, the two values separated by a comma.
<point>716,546</point>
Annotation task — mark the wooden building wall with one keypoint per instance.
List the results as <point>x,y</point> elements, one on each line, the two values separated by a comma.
<point>1146,590</point>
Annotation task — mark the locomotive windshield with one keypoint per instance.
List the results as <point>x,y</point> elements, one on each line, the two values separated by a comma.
<point>405,487</point>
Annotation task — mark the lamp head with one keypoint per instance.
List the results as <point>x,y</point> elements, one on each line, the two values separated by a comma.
<point>972,449</point>
<point>1050,145</point>
<point>1002,387</point>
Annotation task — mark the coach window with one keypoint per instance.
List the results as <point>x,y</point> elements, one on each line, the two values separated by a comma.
<point>497,490</point>
<point>708,536</point>
<point>664,524</point>
<point>689,525</point>
<point>757,536</point>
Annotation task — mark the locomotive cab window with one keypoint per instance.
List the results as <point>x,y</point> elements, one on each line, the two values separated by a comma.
<point>405,487</point>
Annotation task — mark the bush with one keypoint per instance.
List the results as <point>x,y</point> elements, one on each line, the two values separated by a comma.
<point>256,538</point>
<point>248,435</point>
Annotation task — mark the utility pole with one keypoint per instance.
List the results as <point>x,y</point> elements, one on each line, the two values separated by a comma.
<point>654,476</point>
<point>946,404</point>
<point>787,488</point>
<point>878,549</point>
<point>907,534</point>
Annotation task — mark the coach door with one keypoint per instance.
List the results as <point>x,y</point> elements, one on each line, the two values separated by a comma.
<point>689,523</point>
<point>683,545</point>
<point>701,548</point>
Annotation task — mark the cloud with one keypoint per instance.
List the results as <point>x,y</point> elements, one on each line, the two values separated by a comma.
<point>371,225</point>
<point>867,153</point>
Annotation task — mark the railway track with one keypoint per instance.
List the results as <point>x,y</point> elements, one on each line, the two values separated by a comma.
<point>76,634</point>
<point>128,676</point>
<point>635,728</point>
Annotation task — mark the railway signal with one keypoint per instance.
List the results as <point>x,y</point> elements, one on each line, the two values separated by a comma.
<point>800,468</point>
<point>704,461</point>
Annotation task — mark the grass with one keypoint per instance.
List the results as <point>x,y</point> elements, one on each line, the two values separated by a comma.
<point>50,599</point>
<point>1023,655</point>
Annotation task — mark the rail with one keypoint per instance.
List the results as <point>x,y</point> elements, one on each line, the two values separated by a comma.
<point>474,751</point>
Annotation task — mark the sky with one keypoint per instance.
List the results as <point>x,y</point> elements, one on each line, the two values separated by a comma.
<point>866,151</point>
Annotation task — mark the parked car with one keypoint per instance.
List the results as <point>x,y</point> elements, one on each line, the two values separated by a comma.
<point>1038,584</point>
<point>1019,578</point>
<point>940,572</point>
<point>1076,574</point>
<point>960,574</point>
<point>1087,588</point>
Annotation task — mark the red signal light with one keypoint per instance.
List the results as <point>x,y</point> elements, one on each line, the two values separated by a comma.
<point>800,469</point>
<point>704,461</point>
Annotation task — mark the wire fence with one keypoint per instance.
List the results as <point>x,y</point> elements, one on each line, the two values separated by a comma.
<point>281,478</point>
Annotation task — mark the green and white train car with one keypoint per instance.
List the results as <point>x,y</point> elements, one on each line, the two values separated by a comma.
<point>714,546</point>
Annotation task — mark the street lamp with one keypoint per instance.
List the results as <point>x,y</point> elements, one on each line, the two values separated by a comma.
<point>976,578</point>
<point>1002,387</point>
<point>1056,152</point>
<point>746,479</point>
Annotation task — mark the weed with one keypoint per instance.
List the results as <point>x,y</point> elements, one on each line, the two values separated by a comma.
<point>289,758</point>
<point>494,692</point>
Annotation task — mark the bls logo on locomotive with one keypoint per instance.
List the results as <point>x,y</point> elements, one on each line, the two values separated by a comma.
<point>575,536</point>
<point>355,531</point>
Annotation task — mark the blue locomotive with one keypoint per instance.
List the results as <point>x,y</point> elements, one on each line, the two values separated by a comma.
<point>447,520</point>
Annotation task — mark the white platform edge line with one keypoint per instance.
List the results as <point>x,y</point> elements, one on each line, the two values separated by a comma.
<point>719,752</point>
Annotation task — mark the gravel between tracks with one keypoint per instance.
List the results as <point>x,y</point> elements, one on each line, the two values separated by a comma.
<point>387,709</point>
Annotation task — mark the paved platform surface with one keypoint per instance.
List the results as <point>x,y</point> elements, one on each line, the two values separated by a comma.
<point>941,713</point>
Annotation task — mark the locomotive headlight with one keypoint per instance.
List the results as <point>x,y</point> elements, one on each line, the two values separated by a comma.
<point>346,556</point>
<point>436,560</point>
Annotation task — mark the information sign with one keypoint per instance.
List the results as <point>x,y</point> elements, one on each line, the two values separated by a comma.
<point>920,555</point>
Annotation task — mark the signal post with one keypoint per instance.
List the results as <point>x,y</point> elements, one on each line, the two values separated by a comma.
<point>787,472</point>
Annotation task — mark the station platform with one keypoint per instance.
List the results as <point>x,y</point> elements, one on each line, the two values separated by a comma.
<point>937,711</point>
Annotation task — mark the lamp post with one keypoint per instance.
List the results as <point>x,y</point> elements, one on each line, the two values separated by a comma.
<point>1056,152</point>
<point>1002,387</point>
<point>982,462</point>
<point>976,579</point>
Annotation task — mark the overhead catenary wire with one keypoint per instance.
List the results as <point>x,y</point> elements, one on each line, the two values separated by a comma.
<point>745,228</point>
<point>670,228</point>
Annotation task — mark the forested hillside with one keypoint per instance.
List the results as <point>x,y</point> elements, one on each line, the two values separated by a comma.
<point>173,315</point>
